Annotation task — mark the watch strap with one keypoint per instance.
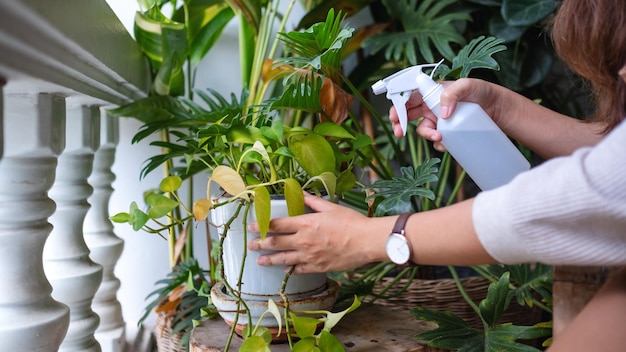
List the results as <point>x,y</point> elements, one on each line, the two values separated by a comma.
<point>401,223</point>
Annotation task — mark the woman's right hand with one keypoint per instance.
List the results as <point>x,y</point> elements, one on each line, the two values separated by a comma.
<point>464,89</point>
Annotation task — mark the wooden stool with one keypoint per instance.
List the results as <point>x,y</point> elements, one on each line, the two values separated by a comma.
<point>371,327</point>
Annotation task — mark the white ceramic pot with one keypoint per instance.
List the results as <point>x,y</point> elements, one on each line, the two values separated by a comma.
<point>259,282</point>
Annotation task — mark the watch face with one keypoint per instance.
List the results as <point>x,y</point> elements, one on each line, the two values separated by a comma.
<point>398,249</point>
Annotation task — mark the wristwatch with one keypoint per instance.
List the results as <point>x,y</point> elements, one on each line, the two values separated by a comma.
<point>398,248</point>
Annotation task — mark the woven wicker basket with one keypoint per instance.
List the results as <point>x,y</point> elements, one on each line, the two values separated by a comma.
<point>166,341</point>
<point>443,295</point>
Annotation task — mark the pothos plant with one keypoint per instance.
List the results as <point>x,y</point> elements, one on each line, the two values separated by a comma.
<point>305,324</point>
<point>286,132</point>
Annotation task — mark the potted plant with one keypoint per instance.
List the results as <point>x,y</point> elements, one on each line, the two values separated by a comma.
<point>287,132</point>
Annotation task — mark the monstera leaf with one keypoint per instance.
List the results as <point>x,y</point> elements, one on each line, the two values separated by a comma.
<point>427,25</point>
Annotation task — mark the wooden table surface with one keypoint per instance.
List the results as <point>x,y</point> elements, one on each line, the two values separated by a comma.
<point>371,327</point>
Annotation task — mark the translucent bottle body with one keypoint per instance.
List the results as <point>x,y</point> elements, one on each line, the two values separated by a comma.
<point>479,146</point>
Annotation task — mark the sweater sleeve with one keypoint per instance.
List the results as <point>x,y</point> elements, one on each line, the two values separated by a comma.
<point>568,211</point>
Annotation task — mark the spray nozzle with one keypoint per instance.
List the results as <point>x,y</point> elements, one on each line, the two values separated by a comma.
<point>399,86</point>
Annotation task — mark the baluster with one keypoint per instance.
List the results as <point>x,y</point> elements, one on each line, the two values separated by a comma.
<point>74,277</point>
<point>106,248</point>
<point>34,135</point>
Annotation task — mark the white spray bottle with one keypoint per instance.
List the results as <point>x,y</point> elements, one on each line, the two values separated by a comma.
<point>470,135</point>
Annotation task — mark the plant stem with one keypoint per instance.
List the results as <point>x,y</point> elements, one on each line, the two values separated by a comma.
<point>466,297</point>
<point>283,286</point>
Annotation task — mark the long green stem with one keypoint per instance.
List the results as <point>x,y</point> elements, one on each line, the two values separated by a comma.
<point>466,297</point>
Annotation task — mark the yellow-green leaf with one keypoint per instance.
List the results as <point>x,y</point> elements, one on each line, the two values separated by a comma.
<point>230,181</point>
<point>313,153</point>
<point>294,197</point>
<point>262,209</point>
<point>201,209</point>
<point>170,183</point>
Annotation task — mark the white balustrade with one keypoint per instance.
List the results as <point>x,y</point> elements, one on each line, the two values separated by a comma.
<point>106,248</point>
<point>50,50</point>
<point>34,132</point>
<point>75,278</point>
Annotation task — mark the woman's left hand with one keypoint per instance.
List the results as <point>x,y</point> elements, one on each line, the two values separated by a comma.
<point>333,238</point>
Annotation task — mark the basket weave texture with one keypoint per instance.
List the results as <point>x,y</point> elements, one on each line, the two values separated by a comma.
<point>443,295</point>
<point>166,340</point>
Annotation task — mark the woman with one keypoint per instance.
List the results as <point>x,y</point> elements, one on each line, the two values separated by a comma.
<point>569,210</point>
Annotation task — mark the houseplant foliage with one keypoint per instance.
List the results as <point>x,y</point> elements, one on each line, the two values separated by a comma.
<point>294,106</point>
<point>286,131</point>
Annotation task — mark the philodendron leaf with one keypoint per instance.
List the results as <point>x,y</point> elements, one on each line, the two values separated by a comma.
<point>230,181</point>
<point>496,302</point>
<point>201,209</point>
<point>399,190</point>
<point>294,197</point>
<point>503,337</point>
<point>451,333</point>
<point>273,309</point>
<point>160,205</point>
<point>262,209</point>
<point>313,153</point>
<point>171,184</point>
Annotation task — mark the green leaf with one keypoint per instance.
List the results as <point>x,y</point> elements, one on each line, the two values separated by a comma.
<point>526,12</point>
<point>304,326</point>
<point>254,344</point>
<point>330,129</point>
<point>477,54</point>
<point>160,205</point>
<point>120,217</point>
<point>451,333</point>
<point>137,217</point>
<point>302,94</point>
<point>503,337</point>
<point>211,21</point>
<point>313,153</point>
<point>345,181</point>
<point>329,343</point>
<point>149,109</point>
<point>320,46</point>
<point>294,197</point>
<point>262,209</point>
<point>170,79</point>
<point>306,344</point>
<point>430,24</point>
<point>496,302</point>
<point>170,184</point>
<point>399,191</point>
<point>158,37</point>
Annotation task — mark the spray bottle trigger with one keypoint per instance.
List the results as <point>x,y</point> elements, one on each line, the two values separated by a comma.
<point>399,102</point>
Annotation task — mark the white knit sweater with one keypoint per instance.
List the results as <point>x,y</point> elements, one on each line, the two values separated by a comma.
<point>569,210</point>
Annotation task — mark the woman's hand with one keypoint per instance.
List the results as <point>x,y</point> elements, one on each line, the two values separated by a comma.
<point>333,238</point>
<point>464,89</point>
